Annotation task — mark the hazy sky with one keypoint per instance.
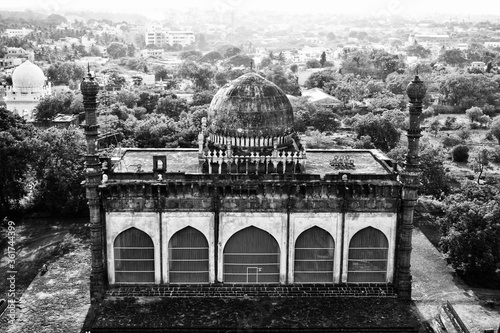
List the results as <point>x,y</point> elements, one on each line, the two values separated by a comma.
<point>366,7</point>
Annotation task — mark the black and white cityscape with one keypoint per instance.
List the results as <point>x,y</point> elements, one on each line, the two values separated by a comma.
<point>249,166</point>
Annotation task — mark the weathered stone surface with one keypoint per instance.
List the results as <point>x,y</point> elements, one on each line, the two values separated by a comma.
<point>251,106</point>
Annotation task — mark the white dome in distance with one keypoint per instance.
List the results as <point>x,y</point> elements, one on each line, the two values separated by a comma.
<point>28,75</point>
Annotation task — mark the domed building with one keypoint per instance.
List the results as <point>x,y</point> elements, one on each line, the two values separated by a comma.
<point>28,87</point>
<point>250,130</point>
<point>244,215</point>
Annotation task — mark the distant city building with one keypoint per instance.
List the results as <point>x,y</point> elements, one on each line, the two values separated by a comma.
<point>443,40</point>
<point>87,42</point>
<point>158,53</point>
<point>17,32</point>
<point>10,62</point>
<point>158,35</point>
<point>28,87</point>
<point>491,45</point>
<point>462,46</point>
<point>477,65</point>
<point>15,56</point>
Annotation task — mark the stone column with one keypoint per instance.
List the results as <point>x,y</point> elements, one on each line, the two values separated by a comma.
<point>89,89</point>
<point>410,179</point>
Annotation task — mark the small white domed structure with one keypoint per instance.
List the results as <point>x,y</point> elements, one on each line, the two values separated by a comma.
<point>28,87</point>
<point>28,76</point>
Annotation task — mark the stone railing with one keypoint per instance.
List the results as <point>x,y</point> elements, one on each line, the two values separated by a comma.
<point>222,162</point>
<point>243,141</point>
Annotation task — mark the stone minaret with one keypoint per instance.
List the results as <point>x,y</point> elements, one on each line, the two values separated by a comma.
<point>410,179</point>
<point>89,89</point>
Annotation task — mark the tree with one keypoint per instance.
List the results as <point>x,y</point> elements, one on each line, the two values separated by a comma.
<point>148,101</point>
<point>321,78</point>
<point>161,73</point>
<point>156,131</point>
<point>349,90</point>
<point>418,50</point>
<point>460,154</point>
<point>435,126</point>
<point>239,60</point>
<point>467,90</point>
<point>453,57</point>
<point>484,121</point>
<point>481,162</point>
<point>287,81</point>
<point>265,62</point>
<point>474,113</point>
<point>384,134</point>
<point>324,120</point>
<point>117,50</point>
<point>313,63</point>
<point>221,78</point>
<point>231,52</point>
<point>16,152</point>
<point>192,55</point>
<point>202,98</point>
<point>50,106</point>
<point>495,128</point>
<point>130,50</point>
<point>322,59</point>
<point>65,72</point>
<point>171,106</point>
<point>470,230</point>
<point>127,98</point>
<point>211,57</point>
<point>201,75</point>
<point>59,170</point>
<point>433,178</point>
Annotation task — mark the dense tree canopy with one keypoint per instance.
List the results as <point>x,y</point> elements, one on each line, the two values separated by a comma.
<point>65,103</point>
<point>59,170</point>
<point>65,73</point>
<point>471,230</point>
<point>418,50</point>
<point>16,152</point>
<point>381,130</point>
<point>117,50</point>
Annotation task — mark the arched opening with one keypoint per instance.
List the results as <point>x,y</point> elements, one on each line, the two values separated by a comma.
<point>368,251</point>
<point>314,253</point>
<point>188,257</point>
<point>251,255</point>
<point>134,257</point>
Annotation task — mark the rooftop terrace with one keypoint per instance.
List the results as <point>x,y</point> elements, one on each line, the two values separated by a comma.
<point>319,162</point>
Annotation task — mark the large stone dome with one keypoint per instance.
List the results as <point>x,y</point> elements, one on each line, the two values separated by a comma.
<point>28,75</point>
<point>251,106</point>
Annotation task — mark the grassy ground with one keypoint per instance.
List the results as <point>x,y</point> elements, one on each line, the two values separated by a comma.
<point>39,241</point>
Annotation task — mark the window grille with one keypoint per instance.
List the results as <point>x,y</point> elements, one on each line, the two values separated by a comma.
<point>134,257</point>
<point>188,257</point>
<point>314,256</point>
<point>251,256</point>
<point>368,251</point>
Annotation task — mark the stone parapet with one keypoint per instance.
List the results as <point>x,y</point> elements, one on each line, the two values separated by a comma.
<point>242,291</point>
<point>248,196</point>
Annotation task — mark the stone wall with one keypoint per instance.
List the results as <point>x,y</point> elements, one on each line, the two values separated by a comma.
<point>284,227</point>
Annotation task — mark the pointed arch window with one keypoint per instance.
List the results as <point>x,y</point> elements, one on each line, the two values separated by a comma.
<point>252,256</point>
<point>134,257</point>
<point>188,257</point>
<point>314,255</point>
<point>368,251</point>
